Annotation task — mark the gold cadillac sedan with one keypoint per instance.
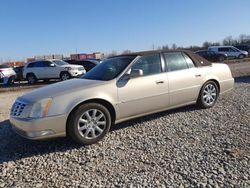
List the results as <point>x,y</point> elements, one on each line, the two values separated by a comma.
<point>118,89</point>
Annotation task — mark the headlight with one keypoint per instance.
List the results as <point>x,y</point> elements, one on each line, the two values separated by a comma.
<point>40,108</point>
<point>68,68</point>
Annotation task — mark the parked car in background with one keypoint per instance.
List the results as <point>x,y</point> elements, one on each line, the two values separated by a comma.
<point>244,48</point>
<point>19,73</point>
<point>7,74</point>
<point>51,69</point>
<point>212,56</point>
<point>230,51</point>
<point>88,64</point>
<point>119,89</point>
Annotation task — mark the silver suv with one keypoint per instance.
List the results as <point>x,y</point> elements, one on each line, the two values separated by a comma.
<point>229,51</point>
<point>51,69</point>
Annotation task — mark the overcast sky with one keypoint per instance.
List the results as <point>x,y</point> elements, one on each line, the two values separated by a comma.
<point>38,27</point>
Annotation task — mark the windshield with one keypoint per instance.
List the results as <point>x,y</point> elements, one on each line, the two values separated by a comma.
<point>109,68</point>
<point>60,62</point>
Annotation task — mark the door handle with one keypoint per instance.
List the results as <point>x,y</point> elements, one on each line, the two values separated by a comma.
<point>159,81</point>
<point>198,75</point>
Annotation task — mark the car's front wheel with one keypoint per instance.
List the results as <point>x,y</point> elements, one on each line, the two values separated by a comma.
<point>208,95</point>
<point>64,76</point>
<point>241,56</point>
<point>89,123</point>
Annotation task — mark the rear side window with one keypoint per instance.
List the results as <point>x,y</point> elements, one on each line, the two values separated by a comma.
<point>175,61</point>
<point>150,64</point>
<point>31,65</point>
<point>39,64</point>
<point>189,60</point>
<point>223,49</point>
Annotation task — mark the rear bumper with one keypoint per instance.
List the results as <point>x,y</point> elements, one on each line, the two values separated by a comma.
<point>42,128</point>
<point>226,86</point>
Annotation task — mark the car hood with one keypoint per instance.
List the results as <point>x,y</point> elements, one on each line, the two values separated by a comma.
<point>60,88</point>
<point>244,52</point>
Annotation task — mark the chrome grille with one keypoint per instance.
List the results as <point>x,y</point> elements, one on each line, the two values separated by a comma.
<point>17,109</point>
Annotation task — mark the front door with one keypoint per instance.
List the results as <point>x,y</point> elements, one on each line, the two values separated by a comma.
<point>145,93</point>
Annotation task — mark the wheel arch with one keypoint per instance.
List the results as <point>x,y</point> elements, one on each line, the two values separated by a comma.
<point>216,82</point>
<point>103,102</point>
<point>30,73</point>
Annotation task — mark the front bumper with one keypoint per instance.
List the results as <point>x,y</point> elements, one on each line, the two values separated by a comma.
<point>77,73</point>
<point>42,128</point>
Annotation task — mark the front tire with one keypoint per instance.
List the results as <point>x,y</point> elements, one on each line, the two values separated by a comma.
<point>208,95</point>
<point>241,56</point>
<point>89,123</point>
<point>65,76</point>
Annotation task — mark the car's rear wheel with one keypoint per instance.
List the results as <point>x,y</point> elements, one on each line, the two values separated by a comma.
<point>31,78</point>
<point>89,123</point>
<point>208,95</point>
<point>64,76</point>
<point>221,58</point>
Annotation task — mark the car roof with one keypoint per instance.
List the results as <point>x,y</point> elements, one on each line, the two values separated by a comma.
<point>198,60</point>
<point>220,46</point>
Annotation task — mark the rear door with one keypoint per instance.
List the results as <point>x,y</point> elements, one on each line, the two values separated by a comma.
<point>184,78</point>
<point>36,68</point>
<point>146,93</point>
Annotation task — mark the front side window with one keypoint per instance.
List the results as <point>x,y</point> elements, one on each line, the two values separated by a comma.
<point>109,68</point>
<point>175,61</point>
<point>234,50</point>
<point>149,65</point>
<point>47,64</point>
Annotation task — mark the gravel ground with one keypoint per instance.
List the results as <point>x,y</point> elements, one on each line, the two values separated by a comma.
<point>186,147</point>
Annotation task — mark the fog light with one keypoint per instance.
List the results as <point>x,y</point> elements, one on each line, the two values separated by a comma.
<point>40,133</point>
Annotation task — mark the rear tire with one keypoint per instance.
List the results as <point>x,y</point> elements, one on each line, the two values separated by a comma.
<point>31,78</point>
<point>221,58</point>
<point>208,95</point>
<point>89,123</point>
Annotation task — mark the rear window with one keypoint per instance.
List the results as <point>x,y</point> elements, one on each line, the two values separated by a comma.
<point>175,61</point>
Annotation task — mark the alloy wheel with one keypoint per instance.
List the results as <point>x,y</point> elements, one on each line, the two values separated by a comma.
<point>65,76</point>
<point>209,94</point>
<point>91,124</point>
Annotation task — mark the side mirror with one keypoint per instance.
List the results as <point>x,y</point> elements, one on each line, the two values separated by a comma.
<point>52,65</point>
<point>136,73</point>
